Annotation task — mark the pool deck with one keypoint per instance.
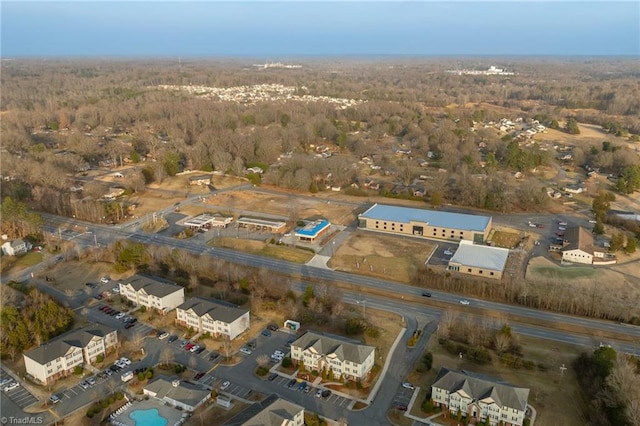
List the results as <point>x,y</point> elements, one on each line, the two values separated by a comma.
<point>171,414</point>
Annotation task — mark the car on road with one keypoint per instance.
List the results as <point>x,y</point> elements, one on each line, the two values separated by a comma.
<point>105,279</point>
<point>562,228</point>
<point>54,399</point>
<point>464,302</point>
<point>10,386</point>
<point>532,225</point>
<point>163,336</point>
<point>292,383</point>
<point>539,225</point>
<point>562,223</point>
<point>448,252</point>
<point>246,350</point>
<point>172,338</point>
<point>225,385</point>
<point>59,258</point>
<point>426,294</point>
<point>401,407</point>
<point>200,375</point>
<point>266,333</point>
<point>408,385</point>
<point>272,377</point>
<point>593,221</point>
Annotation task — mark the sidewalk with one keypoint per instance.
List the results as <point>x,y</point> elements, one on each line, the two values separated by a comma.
<point>374,391</point>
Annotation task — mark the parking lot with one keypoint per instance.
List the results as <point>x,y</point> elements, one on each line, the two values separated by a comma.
<point>20,395</point>
<point>402,397</point>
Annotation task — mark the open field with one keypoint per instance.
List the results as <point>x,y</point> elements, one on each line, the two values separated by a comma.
<point>555,396</point>
<point>589,135</point>
<point>291,254</point>
<point>381,255</point>
<point>12,263</point>
<point>285,205</point>
<point>506,239</point>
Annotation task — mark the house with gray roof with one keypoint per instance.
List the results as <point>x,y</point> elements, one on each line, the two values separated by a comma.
<point>479,260</point>
<point>213,316</point>
<point>425,223</point>
<point>152,292</point>
<point>15,247</point>
<point>272,411</point>
<point>331,353</point>
<point>180,394</point>
<point>480,397</point>
<point>59,356</point>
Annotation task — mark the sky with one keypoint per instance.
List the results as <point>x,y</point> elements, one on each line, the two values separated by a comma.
<point>318,28</point>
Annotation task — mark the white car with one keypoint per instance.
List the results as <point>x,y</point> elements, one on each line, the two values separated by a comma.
<point>464,302</point>
<point>120,316</point>
<point>561,228</point>
<point>195,348</point>
<point>225,385</point>
<point>163,336</point>
<point>11,386</point>
<point>246,350</point>
<point>278,353</point>
<point>116,290</point>
<point>408,385</point>
<point>125,361</point>
<point>104,280</point>
<point>448,252</point>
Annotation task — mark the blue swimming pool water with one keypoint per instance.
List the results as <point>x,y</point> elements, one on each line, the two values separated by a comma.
<point>149,417</point>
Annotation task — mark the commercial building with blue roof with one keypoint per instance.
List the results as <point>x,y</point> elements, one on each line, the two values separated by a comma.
<point>311,231</point>
<point>426,223</point>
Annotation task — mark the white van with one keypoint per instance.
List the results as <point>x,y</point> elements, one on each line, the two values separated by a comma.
<point>127,376</point>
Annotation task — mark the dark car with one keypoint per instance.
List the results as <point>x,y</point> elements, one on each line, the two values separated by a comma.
<point>132,320</point>
<point>272,377</point>
<point>252,344</point>
<point>266,333</point>
<point>401,407</point>
<point>292,383</point>
<point>326,393</point>
<point>200,350</point>
<point>213,357</point>
<point>129,325</point>
<point>426,294</point>
<point>272,327</point>
<point>199,376</point>
<point>172,338</point>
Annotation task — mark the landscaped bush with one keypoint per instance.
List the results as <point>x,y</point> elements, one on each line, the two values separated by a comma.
<point>286,362</point>
<point>262,371</point>
<point>100,358</point>
<point>427,406</point>
<point>77,370</point>
<point>119,396</point>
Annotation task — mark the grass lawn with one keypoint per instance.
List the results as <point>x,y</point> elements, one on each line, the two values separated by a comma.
<point>291,254</point>
<point>505,239</point>
<point>555,396</point>
<point>31,258</point>
<point>567,272</point>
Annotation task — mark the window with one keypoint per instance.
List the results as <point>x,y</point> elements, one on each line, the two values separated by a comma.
<point>491,273</point>
<point>469,270</point>
<point>480,271</point>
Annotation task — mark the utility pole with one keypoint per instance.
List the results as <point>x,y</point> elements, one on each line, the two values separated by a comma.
<point>562,368</point>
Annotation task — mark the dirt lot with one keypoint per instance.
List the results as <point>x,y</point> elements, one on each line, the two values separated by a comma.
<point>555,397</point>
<point>290,254</point>
<point>380,255</point>
<point>506,239</point>
<point>285,205</point>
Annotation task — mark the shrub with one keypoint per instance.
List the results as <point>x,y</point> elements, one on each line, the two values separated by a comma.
<point>427,406</point>
<point>143,309</point>
<point>359,384</point>
<point>104,403</point>
<point>90,413</point>
<point>149,374</point>
<point>100,358</point>
<point>111,399</point>
<point>427,360</point>
<point>262,371</point>
<point>119,396</point>
<point>286,362</point>
<point>373,332</point>
<point>140,376</point>
<point>78,370</point>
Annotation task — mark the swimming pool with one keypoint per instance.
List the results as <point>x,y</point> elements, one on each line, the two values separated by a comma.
<point>150,417</point>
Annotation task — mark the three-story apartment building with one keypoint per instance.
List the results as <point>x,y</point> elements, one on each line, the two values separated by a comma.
<point>342,357</point>
<point>59,356</point>
<point>479,397</point>
<point>214,317</point>
<point>152,292</point>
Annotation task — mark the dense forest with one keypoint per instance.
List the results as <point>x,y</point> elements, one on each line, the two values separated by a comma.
<point>60,118</point>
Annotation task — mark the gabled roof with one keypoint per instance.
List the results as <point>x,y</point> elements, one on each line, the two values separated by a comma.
<point>60,346</point>
<point>479,387</point>
<point>578,238</point>
<point>217,310</point>
<point>324,345</point>
<point>272,411</point>
<point>433,218</point>
<point>185,393</point>
<point>152,285</point>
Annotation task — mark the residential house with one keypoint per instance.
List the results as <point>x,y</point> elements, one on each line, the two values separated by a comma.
<point>182,395</point>
<point>152,292</point>
<point>59,356</point>
<point>200,180</point>
<point>578,247</point>
<point>15,247</point>
<point>213,317</point>
<point>272,411</point>
<point>341,357</point>
<point>480,397</point>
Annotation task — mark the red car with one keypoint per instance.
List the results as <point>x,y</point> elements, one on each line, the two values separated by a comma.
<point>189,346</point>
<point>539,225</point>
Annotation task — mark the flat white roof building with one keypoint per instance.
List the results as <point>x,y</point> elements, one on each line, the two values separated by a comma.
<point>479,260</point>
